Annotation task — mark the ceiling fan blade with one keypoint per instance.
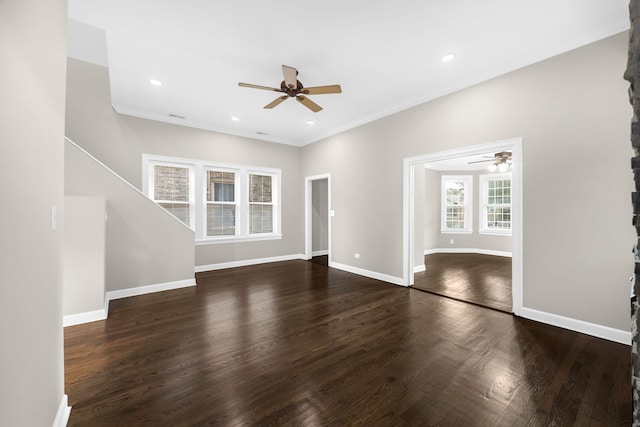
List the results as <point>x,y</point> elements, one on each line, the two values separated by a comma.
<point>259,87</point>
<point>482,161</point>
<point>275,102</point>
<point>308,103</point>
<point>319,90</point>
<point>290,76</point>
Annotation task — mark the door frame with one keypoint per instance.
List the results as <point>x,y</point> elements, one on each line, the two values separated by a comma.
<point>410,163</point>
<point>308,214</point>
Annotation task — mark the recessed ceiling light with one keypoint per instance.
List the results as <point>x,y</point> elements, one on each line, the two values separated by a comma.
<point>448,57</point>
<point>309,122</point>
<point>155,82</point>
<point>235,119</point>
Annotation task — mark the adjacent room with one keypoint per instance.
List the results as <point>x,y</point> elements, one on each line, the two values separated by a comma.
<point>328,213</point>
<point>468,229</point>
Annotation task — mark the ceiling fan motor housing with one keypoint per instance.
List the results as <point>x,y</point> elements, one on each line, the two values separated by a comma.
<point>292,92</point>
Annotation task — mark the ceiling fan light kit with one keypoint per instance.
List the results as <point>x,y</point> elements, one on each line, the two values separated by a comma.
<point>293,88</point>
<point>499,162</point>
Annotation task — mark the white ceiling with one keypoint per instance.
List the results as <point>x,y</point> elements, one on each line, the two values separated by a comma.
<point>385,55</point>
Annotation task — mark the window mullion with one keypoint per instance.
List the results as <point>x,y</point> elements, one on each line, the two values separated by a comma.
<point>199,201</point>
<point>242,201</point>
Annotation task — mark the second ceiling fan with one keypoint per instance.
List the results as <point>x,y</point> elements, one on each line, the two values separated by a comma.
<point>292,88</point>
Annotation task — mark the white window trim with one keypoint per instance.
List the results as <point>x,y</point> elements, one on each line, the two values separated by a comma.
<point>237,193</point>
<point>275,197</point>
<point>148,182</point>
<point>198,217</point>
<point>484,186</point>
<point>468,204</point>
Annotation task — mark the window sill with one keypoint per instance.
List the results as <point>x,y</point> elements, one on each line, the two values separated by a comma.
<point>237,239</point>
<point>456,231</point>
<point>506,233</point>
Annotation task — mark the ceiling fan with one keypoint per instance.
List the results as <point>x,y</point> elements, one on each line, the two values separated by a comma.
<point>292,88</point>
<point>501,157</point>
<point>501,161</point>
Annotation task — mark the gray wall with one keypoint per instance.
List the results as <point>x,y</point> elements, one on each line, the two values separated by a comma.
<point>32,88</point>
<point>475,240</point>
<point>431,202</point>
<point>320,215</point>
<point>573,114</point>
<point>84,254</point>
<point>136,253</point>
<point>119,142</point>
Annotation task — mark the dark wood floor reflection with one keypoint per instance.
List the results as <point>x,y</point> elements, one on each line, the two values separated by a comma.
<point>480,279</point>
<point>298,343</point>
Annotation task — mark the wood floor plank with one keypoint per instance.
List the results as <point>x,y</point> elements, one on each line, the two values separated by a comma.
<point>476,278</point>
<point>299,343</point>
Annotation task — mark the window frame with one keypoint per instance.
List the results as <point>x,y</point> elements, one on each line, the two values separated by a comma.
<point>150,187</point>
<point>467,181</point>
<point>237,195</point>
<point>241,193</point>
<point>483,227</point>
<point>273,204</point>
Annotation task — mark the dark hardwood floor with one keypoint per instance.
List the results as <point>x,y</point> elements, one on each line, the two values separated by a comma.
<point>476,278</point>
<point>298,343</point>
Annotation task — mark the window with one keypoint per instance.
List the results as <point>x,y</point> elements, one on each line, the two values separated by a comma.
<point>235,203</point>
<point>260,204</point>
<point>495,204</point>
<point>456,215</point>
<point>221,203</point>
<point>172,188</point>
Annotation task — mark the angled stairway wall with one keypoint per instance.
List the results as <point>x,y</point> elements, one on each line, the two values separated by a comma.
<point>145,245</point>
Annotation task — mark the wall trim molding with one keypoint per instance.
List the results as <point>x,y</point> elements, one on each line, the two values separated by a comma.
<point>368,273</point>
<point>64,410</point>
<point>320,253</point>
<point>419,268</point>
<point>247,262</point>
<point>605,332</point>
<point>149,289</point>
<point>86,317</point>
<point>467,251</point>
<point>93,316</point>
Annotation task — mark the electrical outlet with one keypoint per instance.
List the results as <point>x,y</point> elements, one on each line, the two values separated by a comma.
<point>356,255</point>
<point>451,241</point>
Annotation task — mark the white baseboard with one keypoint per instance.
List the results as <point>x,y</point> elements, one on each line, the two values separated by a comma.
<point>367,273</point>
<point>86,317</point>
<point>247,262</point>
<point>605,332</point>
<point>467,251</point>
<point>320,253</point>
<point>93,316</point>
<point>419,268</point>
<point>149,289</point>
<point>64,410</point>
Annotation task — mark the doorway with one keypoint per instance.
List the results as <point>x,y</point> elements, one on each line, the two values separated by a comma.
<point>317,218</point>
<point>453,261</point>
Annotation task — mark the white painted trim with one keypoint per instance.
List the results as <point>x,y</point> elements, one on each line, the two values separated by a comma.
<point>247,262</point>
<point>409,163</point>
<point>368,273</point>
<point>419,268</point>
<point>240,239</point>
<point>467,251</point>
<point>64,410</point>
<point>320,253</point>
<point>86,317</point>
<point>149,289</point>
<point>134,188</point>
<point>605,332</point>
